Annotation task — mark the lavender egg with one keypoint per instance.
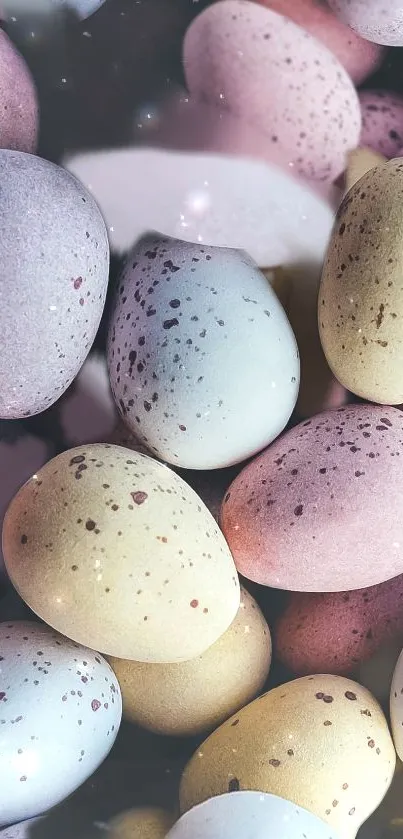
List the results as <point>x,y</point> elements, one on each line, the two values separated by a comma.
<point>19,105</point>
<point>60,711</point>
<point>54,253</point>
<point>203,362</point>
<point>382,122</point>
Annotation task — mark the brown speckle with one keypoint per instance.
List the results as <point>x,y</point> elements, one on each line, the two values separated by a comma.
<point>234,785</point>
<point>194,604</point>
<point>350,695</point>
<point>274,762</point>
<point>371,744</point>
<point>139,497</point>
<point>95,704</point>
<point>90,524</point>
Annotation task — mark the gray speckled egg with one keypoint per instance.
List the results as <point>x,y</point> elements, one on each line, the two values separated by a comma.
<point>60,711</point>
<point>54,254</point>
<point>382,121</point>
<point>19,105</point>
<point>202,359</point>
<point>123,556</point>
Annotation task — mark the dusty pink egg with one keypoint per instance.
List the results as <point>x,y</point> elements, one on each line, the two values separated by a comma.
<point>380,21</point>
<point>382,122</point>
<point>271,73</point>
<point>19,106</point>
<point>359,57</point>
<point>337,632</point>
<point>322,508</point>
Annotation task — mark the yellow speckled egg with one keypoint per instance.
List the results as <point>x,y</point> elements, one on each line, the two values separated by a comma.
<point>142,823</point>
<point>360,303</point>
<point>197,695</point>
<point>320,741</point>
<point>116,551</point>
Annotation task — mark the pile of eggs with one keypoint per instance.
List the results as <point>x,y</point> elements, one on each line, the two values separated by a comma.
<point>202,519</point>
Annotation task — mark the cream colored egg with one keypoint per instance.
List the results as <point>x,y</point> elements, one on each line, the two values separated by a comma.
<point>117,552</point>
<point>197,695</point>
<point>320,741</point>
<point>360,304</point>
<point>142,823</point>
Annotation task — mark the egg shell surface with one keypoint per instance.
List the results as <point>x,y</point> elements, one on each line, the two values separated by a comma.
<point>19,120</point>
<point>55,263</point>
<point>189,698</point>
<point>360,306</point>
<point>359,58</point>
<point>123,556</point>
<point>314,741</point>
<point>380,21</point>
<point>247,57</point>
<point>396,706</point>
<point>337,632</point>
<point>257,815</point>
<point>382,121</point>
<point>49,684</point>
<point>309,514</point>
<point>142,823</point>
<point>174,344</point>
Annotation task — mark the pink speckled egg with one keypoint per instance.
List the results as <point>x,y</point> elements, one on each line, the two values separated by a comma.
<point>380,21</point>
<point>382,122</point>
<point>322,508</point>
<point>337,632</point>
<point>359,57</point>
<point>19,106</point>
<point>268,71</point>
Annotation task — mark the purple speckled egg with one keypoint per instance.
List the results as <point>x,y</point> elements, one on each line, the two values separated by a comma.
<point>268,71</point>
<point>359,57</point>
<point>54,254</point>
<point>336,632</point>
<point>380,21</point>
<point>322,508</point>
<point>19,105</point>
<point>60,711</point>
<point>382,122</point>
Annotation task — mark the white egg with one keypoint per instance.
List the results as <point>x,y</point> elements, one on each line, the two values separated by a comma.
<point>220,199</point>
<point>60,711</point>
<point>87,413</point>
<point>254,815</point>
<point>396,706</point>
<point>19,460</point>
<point>203,362</point>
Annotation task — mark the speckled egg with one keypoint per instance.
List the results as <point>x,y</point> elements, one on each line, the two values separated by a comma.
<point>248,813</point>
<point>336,632</point>
<point>382,121</point>
<point>55,257</point>
<point>19,112</point>
<point>321,742</point>
<point>20,456</point>
<point>380,21</point>
<point>123,556</point>
<point>360,305</point>
<point>187,699</point>
<point>359,58</point>
<point>309,514</point>
<point>60,711</point>
<point>247,58</point>
<point>396,706</point>
<point>174,345</point>
<point>143,823</point>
